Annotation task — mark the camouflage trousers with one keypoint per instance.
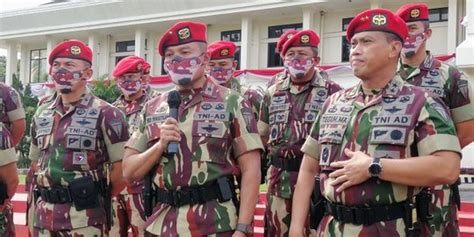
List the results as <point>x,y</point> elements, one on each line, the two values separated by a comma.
<point>278,217</point>
<point>128,212</point>
<point>444,222</point>
<point>223,234</point>
<point>88,231</point>
<point>7,227</point>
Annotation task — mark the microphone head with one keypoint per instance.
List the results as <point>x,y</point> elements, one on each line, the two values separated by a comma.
<point>174,99</point>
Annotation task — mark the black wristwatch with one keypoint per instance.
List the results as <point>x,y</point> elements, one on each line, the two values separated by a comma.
<point>244,228</point>
<point>375,168</point>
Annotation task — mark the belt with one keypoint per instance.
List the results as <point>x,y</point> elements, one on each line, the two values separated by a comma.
<point>366,215</point>
<point>195,194</point>
<point>286,164</point>
<point>61,195</point>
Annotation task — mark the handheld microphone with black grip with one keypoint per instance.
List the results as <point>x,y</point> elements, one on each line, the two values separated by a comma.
<point>174,100</point>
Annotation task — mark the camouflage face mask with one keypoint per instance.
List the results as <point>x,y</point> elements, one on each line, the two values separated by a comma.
<point>412,44</point>
<point>182,70</point>
<point>298,67</point>
<point>65,79</point>
<point>221,75</point>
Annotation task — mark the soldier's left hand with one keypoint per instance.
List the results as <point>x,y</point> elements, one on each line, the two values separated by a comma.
<point>351,172</point>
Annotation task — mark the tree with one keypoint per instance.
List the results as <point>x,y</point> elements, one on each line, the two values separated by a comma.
<point>3,66</point>
<point>29,104</point>
<point>105,89</point>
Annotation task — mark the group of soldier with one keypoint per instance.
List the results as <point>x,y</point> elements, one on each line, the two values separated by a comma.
<point>381,158</point>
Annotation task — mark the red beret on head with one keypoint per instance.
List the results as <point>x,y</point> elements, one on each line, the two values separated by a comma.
<point>221,49</point>
<point>414,12</point>
<point>283,38</point>
<point>74,49</point>
<point>301,39</point>
<point>146,68</point>
<point>377,20</point>
<point>182,32</point>
<point>130,64</point>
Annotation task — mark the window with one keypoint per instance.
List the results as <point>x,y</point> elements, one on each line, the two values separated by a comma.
<point>234,36</point>
<point>38,65</point>
<point>125,46</point>
<point>438,15</point>
<point>117,59</point>
<point>231,35</point>
<point>345,45</point>
<point>346,49</point>
<point>345,23</point>
<point>273,58</point>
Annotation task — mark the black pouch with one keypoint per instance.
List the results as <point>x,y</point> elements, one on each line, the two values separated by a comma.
<point>224,188</point>
<point>423,201</point>
<point>3,192</point>
<point>84,193</point>
<point>317,208</point>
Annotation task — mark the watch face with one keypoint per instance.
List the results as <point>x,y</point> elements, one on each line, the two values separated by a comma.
<point>375,169</point>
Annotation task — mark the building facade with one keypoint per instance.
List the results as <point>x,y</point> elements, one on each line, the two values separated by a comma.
<point>116,29</point>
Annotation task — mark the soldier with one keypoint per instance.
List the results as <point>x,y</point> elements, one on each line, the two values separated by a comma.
<point>128,210</point>
<point>221,68</point>
<point>376,144</point>
<point>215,130</point>
<point>74,140</point>
<point>281,41</point>
<point>12,128</point>
<point>288,110</point>
<point>420,68</point>
<point>30,176</point>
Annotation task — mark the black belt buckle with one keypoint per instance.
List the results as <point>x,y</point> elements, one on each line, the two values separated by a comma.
<point>175,197</point>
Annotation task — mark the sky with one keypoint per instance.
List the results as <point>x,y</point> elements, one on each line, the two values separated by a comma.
<point>9,5</point>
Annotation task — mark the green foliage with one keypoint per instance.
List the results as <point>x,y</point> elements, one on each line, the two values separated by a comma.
<point>105,89</point>
<point>29,104</point>
<point>3,66</point>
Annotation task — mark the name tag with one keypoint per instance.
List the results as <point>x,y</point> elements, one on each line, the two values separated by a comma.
<point>88,132</point>
<point>334,119</point>
<point>312,106</point>
<point>156,118</point>
<point>281,107</point>
<point>218,116</point>
<point>387,120</point>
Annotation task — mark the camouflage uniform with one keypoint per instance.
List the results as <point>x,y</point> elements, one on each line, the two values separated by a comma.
<point>277,77</point>
<point>447,82</point>
<point>128,209</point>
<point>397,122</point>
<point>287,113</point>
<point>30,180</point>
<point>217,126</point>
<point>11,109</point>
<point>249,94</point>
<point>70,143</point>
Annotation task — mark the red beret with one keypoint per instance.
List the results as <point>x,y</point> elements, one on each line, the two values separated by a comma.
<point>146,68</point>
<point>283,38</point>
<point>74,49</point>
<point>414,12</point>
<point>130,64</point>
<point>301,39</point>
<point>221,49</point>
<point>182,32</point>
<point>377,20</point>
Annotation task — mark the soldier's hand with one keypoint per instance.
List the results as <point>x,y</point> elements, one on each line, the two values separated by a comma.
<point>169,132</point>
<point>351,172</point>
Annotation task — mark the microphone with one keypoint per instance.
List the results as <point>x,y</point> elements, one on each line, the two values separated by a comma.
<point>174,100</point>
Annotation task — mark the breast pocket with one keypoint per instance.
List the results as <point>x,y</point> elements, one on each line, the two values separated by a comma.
<point>213,139</point>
